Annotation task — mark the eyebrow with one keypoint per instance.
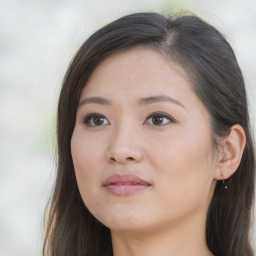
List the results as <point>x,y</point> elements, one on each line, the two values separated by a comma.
<point>154,99</point>
<point>143,101</point>
<point>95,100</point>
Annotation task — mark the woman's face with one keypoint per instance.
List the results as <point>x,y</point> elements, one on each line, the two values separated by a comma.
<point>142,144</point>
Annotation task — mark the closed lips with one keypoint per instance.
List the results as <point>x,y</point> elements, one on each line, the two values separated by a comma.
<point>125,185</point>
<point>125,179</point>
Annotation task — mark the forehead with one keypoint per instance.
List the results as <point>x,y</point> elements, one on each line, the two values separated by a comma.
<point>137,69</point>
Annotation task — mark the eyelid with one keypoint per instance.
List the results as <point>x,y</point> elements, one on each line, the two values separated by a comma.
<point>88,117</point>
<point>163,114</point>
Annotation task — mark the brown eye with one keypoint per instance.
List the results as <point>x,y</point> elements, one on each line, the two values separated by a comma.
<point>159,119</point>
<point>95,119</point>
<point>98,120</point>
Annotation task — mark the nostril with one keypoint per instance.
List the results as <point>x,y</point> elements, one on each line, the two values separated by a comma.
<point>112,159</point>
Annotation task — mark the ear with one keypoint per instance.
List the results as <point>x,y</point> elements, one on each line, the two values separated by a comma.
<point>231,151</point>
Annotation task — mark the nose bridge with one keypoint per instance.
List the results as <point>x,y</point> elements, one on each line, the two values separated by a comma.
<point>124,143</point>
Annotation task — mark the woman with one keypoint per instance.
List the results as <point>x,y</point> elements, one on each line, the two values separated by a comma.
<point>155,155</point>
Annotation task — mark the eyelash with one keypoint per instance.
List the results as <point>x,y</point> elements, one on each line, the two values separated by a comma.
<point>163,115</point>
<point>89,118</point>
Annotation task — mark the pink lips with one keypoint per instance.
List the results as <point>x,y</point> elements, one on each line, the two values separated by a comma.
<point>125,184</point>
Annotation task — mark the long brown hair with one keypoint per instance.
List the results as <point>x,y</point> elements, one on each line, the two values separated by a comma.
<point>217,80</point>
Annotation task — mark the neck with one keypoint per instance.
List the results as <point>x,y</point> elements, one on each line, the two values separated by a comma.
<point>178,241</point>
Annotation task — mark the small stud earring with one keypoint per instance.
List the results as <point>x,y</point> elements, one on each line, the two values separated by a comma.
<point>222,175</point>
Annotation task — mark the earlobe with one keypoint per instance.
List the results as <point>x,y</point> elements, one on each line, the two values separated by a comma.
<point>232,148</point>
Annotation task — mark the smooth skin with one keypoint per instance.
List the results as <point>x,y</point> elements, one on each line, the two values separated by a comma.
<point>151,124</point>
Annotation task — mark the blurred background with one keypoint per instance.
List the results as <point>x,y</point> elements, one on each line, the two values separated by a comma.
<point>37,41</point>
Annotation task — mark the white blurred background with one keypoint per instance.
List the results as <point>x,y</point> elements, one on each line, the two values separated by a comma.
<point>37,40</point>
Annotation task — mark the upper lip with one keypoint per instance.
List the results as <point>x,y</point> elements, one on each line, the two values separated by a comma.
<point>125,178</point>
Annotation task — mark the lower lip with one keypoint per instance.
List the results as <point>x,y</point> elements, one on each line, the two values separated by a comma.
<point>125,190</point>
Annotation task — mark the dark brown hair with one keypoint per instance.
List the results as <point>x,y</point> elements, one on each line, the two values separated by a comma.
<point>217,80</point>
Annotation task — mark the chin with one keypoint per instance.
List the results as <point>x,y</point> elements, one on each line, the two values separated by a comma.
<point>126,222</point>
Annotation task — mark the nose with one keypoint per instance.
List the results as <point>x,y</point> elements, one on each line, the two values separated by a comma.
<point>124,146</point>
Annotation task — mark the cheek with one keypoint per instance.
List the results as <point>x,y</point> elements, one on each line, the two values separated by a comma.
<point>87,156</point>
<point>184,179</point>
<point>88,151</point>
<point>185,162</point>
